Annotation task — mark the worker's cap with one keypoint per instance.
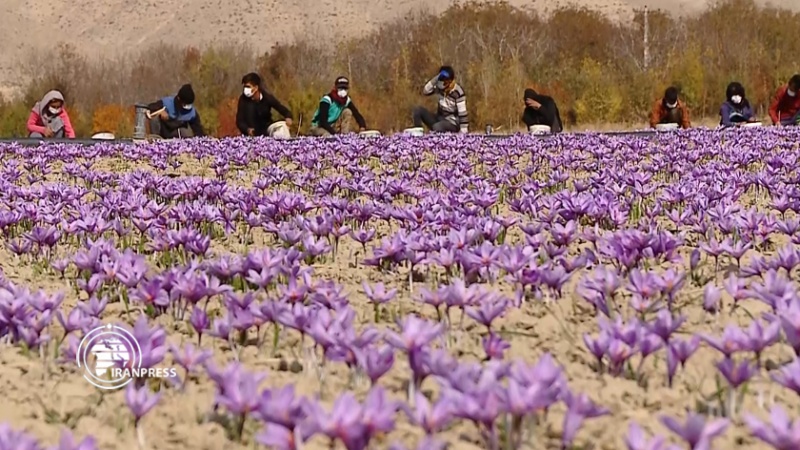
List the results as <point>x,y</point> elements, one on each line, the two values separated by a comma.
<point>342,83</point>
<point>446,73</point>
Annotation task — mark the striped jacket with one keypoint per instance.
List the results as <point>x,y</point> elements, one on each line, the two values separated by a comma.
<point>452,105</point>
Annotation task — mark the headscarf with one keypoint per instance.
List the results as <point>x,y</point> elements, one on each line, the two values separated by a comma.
<point>41,107</point>
<point>531,94</point>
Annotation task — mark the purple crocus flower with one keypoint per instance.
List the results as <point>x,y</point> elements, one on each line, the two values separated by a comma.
<point>432,418</point>
<point>376,362</point>
<point>415,334</point>
<point>695,431</point>
<point>579,408</point>
<point>598,347</point>
<point>378,294</point>
<point>488,311</point>
<point>238,392</point>
<point>758,337</point>
<point>199,322</point>
<point>140,401</point>
<point>637,440</point>
<point>780,432</point>
<point>788,376</point>
<point>281,407</point>
<point>67,442</point>
<point>279,438</point>
<point>494,346</point>
<point>344,422</point>
<point>11,439</point>
<point>665,325</point>
<point>379,412</point>
<point>189,357</point>
<point>711,298</point>
<point>736,374</point>
<point>729,343</point>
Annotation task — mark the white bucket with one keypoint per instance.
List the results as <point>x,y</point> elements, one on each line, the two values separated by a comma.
<point>104,137</point>
<point>279,130</point>
<point>666,126</point>
<point>752,124</point>
<point>539,129</point>
<point>370,133</point>
<point>417,131</point>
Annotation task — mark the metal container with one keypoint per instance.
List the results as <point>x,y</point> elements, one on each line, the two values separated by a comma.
<point>489,129</point>
<point>139,129</point>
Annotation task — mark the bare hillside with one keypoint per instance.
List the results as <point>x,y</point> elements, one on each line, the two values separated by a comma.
<point>110,27</point>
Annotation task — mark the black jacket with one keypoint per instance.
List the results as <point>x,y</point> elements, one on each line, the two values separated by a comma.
<point>257,114</point>
<point>547,114</point>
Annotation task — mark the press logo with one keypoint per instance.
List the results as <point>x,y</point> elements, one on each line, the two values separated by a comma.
<point>111,357</point>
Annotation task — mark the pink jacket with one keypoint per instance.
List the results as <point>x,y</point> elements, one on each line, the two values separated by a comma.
<point>36,123</point>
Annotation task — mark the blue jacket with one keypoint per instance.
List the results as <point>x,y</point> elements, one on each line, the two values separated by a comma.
<point>733,114</point>
<point>172,109</point>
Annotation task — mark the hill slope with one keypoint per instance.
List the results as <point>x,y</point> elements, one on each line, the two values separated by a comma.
<point>109,27</point>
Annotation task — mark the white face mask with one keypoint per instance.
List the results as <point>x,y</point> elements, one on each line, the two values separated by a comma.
<point>248,92</point>
<point>672,105</point>
<point>54,111</point>
<point>187,107</point>
<point>342,93</point>
<point>736,99</point>
<point>790,93</point>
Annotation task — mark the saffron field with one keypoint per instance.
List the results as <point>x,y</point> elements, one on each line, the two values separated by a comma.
<point>576,292</point>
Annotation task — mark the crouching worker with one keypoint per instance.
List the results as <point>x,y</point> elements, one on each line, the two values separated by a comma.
<point>736,110</point>
<point>49,118</point>
<point>336,112</point>
<point>541,110</point>
<point>670,109</point>
<point>175,117</point>
<point>785,107</point>
<point>451,115</point>
<point>254,113</point>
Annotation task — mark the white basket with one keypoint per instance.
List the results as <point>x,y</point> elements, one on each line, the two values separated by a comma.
<point>104,137</point>
<point>417,131</point>
<point>539,129</point>
<point>666,127</point>
<point>279,130</point>
<point>370,133</point>
<point>752,124</point>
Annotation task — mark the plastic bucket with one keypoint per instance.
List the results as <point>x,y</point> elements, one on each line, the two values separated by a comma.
<point>539,129</point>
<point>417,131</point>
<point>103,137</point>
<point>752,124</point>
<point>666,127</point>
<point>370,133</point>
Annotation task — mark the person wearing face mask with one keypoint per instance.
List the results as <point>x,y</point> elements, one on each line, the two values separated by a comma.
<point>49,118</point>
<point>670,109</point>
<point>336,112</point>
<point>785,107</point>
<point>541,110</point>
<point>736,110</point>
<point>451,115</point>
<point>254,113</point>
<point>175,117</point>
